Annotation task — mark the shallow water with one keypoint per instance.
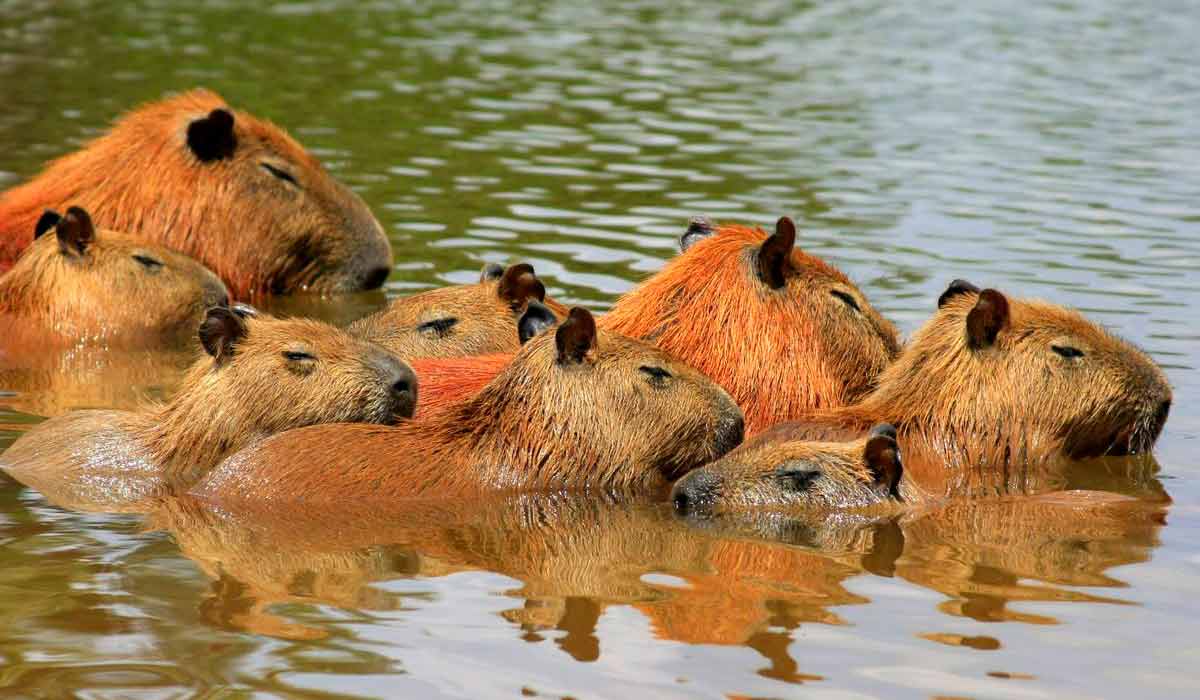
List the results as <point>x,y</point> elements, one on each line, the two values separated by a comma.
<point>1052,152</point>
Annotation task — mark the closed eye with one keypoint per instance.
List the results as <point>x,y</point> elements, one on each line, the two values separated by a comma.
<point>279,173</point>
<point>846,299</point>
<point>438,327</point>
<point>798,480</point>
<point>148,262</point>
<point>656,373</point>
<point>1067,351</point>
<point>297,356</point>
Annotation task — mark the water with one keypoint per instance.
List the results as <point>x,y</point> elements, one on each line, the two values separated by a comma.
<point>1051,150</point>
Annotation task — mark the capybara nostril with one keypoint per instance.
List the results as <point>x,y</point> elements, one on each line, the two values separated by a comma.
<point>376,277</point>
<point>404,391</point>
<point>680,498</point>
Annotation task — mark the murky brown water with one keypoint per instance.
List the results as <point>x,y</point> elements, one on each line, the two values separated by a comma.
<point>1051,151</point>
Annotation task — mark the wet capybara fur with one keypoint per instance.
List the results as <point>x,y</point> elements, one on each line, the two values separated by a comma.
<point>574,410</point>
<point>462,320</point>
<point>993,388</point>
<point>231,190</point>
<point>259,376</point>
<point>77,286</point>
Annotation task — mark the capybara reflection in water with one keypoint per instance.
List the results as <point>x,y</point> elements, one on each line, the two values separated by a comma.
<point>260,376</point>
<point>463,320</point>
<point>231,190</point>
<point>782,331</point>
<point>574,410</point>
<point>77,286</point>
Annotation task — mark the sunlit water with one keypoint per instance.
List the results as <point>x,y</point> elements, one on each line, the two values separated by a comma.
<point>1051,150</point>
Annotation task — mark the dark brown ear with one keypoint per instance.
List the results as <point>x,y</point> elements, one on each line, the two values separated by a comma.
<point>699,228</point>
<point>773,255</point>
<point>519,284</point>
<point>536,319</point>
<point>491,271</point>
<point>956,288</point>
<point>576,337</point>
<point>986,319</point>
<point>75,232</point>
<point>882,457</point>
<point>220,332</point>
<point>48,220</point>
<point>212,138</point>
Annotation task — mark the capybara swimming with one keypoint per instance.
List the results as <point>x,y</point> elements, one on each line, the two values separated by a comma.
<point>231,190</point>
<point>463,320</point>
<point>992,388</point>
<point>782,331</point>
<point>574,410</point>
<point>76,286</point>
<point>260,376</point>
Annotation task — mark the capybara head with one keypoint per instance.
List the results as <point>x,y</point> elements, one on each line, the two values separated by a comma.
<point>987,364</point>
<point>598,410</point>
<point>775,471</point>
<point>463,320</point>
<point>784,332</point>
<point>101,286</point>
<point>233,191</point>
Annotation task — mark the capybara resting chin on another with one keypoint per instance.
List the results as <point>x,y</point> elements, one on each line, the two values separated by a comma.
<point>574,410</point>
<point>77,286</point>
<point>260,376</point>
<point>466,319</point>
<point>231,190</point>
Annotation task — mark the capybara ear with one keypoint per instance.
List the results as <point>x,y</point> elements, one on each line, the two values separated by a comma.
<point>75,232</point>
<point>699,228</point>
<point>536,319</point>
<point>220,332</point>
<point>576,337</point>
<point>987,319</point>
<point>211,138</point>
<point>882,456</point>
<point>519,284</point>
<point>48,220</point>
<point>956,288</point>
<point>773,255</point>
<point>491,271</point>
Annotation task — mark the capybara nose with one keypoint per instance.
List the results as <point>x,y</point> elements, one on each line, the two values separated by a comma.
<point>375,277</point>
<point>695,492</point>
<point>223,301</point>
<point>1160,418</point>
<point>681,499</point>
<point>404,391</point>
<point>730,431</point>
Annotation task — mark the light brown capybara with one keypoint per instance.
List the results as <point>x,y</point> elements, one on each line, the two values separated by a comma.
<point>994,392</point>
<point>463,320</point>
<point>83,287</point>
<point>231,190</point>
<point>574,410</point>
<point>782,331</point>
<point>260,376</point>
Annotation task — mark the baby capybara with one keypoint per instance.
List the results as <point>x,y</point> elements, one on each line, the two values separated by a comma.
<point>81,286</point>
<point>231,190</point>
<point>574,410</point>
<point>462,320</point>
<point>260,376</point>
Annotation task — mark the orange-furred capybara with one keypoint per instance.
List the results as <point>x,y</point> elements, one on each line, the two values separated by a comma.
<point>81,287</point>
<point>574,410</point>
<point>260,376</point>
<point>465,319</point>
<point>782,331</point>
<point>231,190</point>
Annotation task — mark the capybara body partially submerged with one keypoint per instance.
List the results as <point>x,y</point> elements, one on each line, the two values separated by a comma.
<point>260,376</point>
<point>572,411</point>
<point>463,320</point>
<point>76,286</point>
<point>231,190</point>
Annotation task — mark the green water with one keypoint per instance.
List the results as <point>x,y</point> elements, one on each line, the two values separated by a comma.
<point>1051,150</point>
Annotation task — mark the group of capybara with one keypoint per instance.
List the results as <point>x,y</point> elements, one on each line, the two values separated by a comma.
<point>495,387</point>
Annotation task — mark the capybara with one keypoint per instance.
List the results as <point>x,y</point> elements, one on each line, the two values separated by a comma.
<point>574,410</point>
<point>463,320</point>
<point>231,190</point>
<point>260,376</point>
<point>992,389</point>
<point>782,331</point>
<point>83,287</point>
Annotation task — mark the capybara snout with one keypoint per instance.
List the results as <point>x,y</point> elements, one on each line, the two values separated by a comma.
<point>398,377</point>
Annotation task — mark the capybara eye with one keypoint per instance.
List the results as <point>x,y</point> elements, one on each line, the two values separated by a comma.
<point>148,262</point>
<point>798,480</point>
<point>438,327</point>
<point>279,173</point>
<point>297,356</point>
<point>1067,351</point>
<point>846,299</point>
<point>657,375</point>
